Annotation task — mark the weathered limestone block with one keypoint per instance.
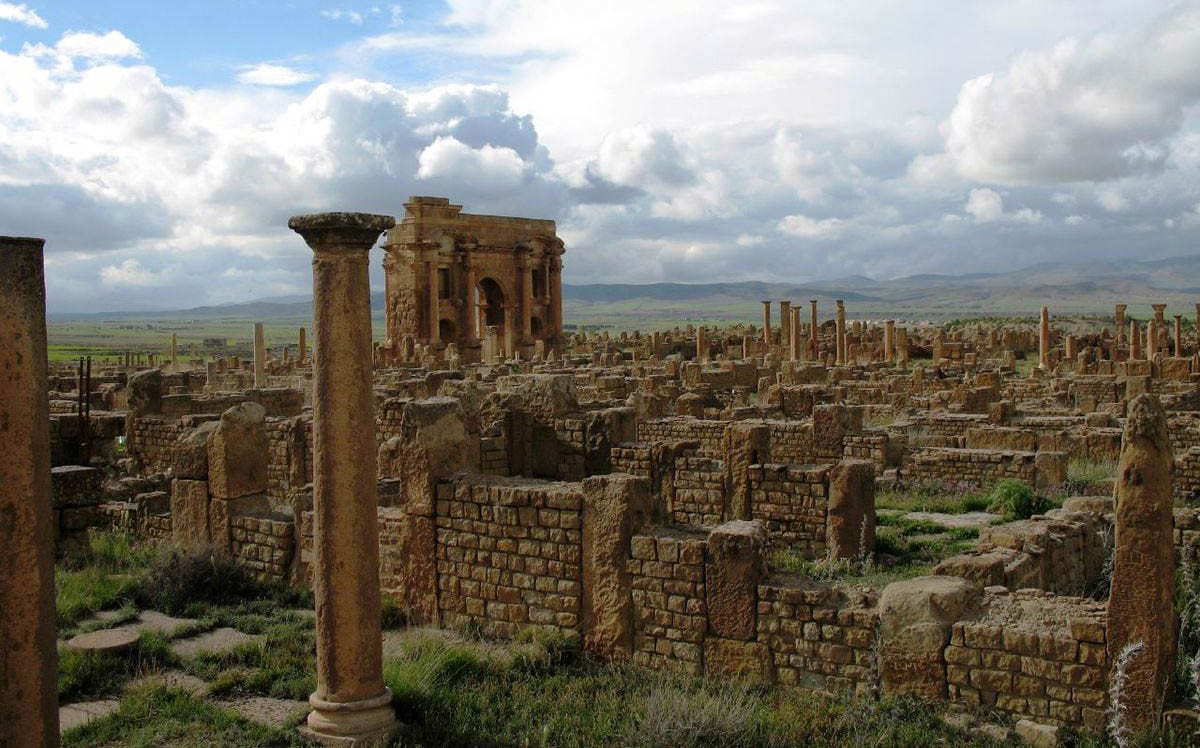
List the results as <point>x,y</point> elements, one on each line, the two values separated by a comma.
<point>690,404</point>
<point>237,452</point>
<point>431,444</point>
<point>746,444</point>
<point>189,514</point>
<point>222,512</point>
<point>915,617</point>
<point>190,457</point>
<point>1140,607</point>
<point>850,523</point>
<point>744,660</point>
<point>733,567</point>
<point>614,507</point>
<point>75,485</point>
<point>1021,440</point>
<point>145,392</point>
<point>1051,470</point>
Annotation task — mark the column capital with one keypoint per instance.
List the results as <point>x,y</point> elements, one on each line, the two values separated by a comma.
<point>340,232</point>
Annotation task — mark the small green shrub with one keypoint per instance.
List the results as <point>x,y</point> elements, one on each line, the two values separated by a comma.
<point>1016,500</point>
<point>178,580</point>
<point>675,715</point>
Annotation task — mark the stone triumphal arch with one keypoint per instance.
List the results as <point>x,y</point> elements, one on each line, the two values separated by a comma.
<point>490,285</point>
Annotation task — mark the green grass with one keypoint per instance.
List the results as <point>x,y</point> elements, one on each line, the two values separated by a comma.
<point>456,691</point>
<point>94,675</point>
<point>281,665</point>
<point>160,716</point>
<point>1089,477</point>
<point>79,594</point>
<point>931,497</point>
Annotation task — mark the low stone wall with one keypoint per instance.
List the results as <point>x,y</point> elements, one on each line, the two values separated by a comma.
<point>709,434</point>
<point>792,502</point>
<point>975,468</point>
<point>1187,476</point>
<point>508,555</point>
<point>1032,655</point>
<point>151,441</point>
<point>670,617</point>
<point>264,545</point>
<point>699,493</point>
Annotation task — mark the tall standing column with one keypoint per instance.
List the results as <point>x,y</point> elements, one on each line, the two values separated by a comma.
<point>174,353</point>
<point>1135,341</point>
<point>510,325</point>
<point>303,347</point>
<point>1119,318</point>
<point>767,325</point>
<point>889,341</point>
<point>28,658</point>
<point>471,334</point>
<point>526,301</point>
<point>351,703</point>
<point>701,345</point>
<point>785,323</point>
<point>434,302</point>
<point>1044,340</point>
<point>841,333</point>
<point>1178,336</point>
<point>260,357</point>
<point>813,340</point>
<point>795,338</point>
<point>556,297</point>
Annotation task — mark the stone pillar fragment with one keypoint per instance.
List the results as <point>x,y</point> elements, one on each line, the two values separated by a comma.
<point>785,322</point>
<point>1178,336</point>
<point>813,340</point>
<point>1140,604</point>
<point>28,657</point>
<point>850,526</point>
<point>767,324</point>
<point>615,506</point>
<point>351,703</point>
<point>1135,341</point>
<point>841,333</point>
<point>796,350</point>
<point>889,341</point>
<point>260,357</point>
<point>174,353</point>
<point>733,567</point>
<point>303,354</point>
<point>1044,340</point>
<point>434,301</point>
<point>1119,319</point>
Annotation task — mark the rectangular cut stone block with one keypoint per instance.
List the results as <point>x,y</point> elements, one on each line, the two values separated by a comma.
<point>733,568</point>
<point>237,453</point>
<point>75,485</point>
<point>729,658</point>
<point>221,513</point>
<point>189,514</point>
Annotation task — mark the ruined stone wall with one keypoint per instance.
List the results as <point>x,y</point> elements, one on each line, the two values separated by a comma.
<point>263,545</point>
<point>710,434</point>
<point>1032,655</point>
<point>508,555</point>
<point>792,502</point>
<point>970,467</point>
<point>699,495</point>
<point>151,441</point>
<point>792,442</point>
<point>819,638</point>
<point>875,446</point>
<point>1187,476</point>
<point>669,612</point>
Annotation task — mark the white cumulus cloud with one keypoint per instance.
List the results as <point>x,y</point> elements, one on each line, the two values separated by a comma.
<point>111,46</point>
<point>23,14</point>
<point>266,74</point>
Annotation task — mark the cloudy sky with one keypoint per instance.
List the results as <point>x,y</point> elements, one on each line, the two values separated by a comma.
<point>160,147</point>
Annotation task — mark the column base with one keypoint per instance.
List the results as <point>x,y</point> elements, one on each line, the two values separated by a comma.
<point>354,724</point>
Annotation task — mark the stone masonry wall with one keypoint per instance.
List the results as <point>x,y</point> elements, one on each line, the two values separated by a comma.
<point>669,612</point>
<point>508,554</point>
<point>792,502</point>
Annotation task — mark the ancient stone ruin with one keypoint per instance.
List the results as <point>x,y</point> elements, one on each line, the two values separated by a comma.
<point>649,493</point>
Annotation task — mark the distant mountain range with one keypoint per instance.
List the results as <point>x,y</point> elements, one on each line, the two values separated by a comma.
<point>1091,287</point>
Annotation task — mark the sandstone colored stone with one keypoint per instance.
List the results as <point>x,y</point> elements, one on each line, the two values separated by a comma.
<point>189,515</point>
<point>1140,604</point>
<point>850,523</point>
<point>915,616</point>
<point>742,660</point>
<point>733,567</point>
<point>615,506</point>
<point>190,458</point>
<point>237,452</point>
